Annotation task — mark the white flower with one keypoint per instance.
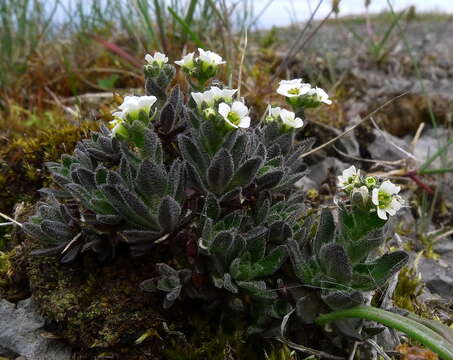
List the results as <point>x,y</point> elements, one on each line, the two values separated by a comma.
<point>158,59</point>
<point>235,115</point>
<point>289,119</point>
<point>203,97</point>
<point>319,95</point>
<point>386,200</point>
<point>225,94</point>
<point>133,104</point>
<point>212,95</point>
<point>349,178</point>
<point>187,61</point>
<point>293,88</point>
<point>210,57</point>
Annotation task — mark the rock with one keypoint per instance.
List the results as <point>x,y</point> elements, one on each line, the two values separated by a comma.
<point>445,249</point>
<point>21,329</point>
<point>438,277</point>
<point>6,354</point>
<point>387,147</point>
<point>429,143</point>
<point>321,171</point>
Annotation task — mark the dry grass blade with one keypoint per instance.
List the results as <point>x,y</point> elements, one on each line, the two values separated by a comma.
<point>241,64</point>
<point>6,217</point>
<point>369,116</point>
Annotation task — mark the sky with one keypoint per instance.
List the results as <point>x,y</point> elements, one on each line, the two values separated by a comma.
<point>284,12</point>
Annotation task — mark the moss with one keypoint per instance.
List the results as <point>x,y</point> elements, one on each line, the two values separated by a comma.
<point>5,269</point>
<point>409,287</point>
<point>21,167</point>
<point>100,310</point>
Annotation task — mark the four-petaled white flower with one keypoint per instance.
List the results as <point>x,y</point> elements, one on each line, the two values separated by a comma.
<point>235,115</point>
<point>158,59</point>
<point>349,178</point>
<point>187,61</point>
<point>319,95</point>
<point>289,119</point>
<point>133,104</point>
<point>213,94</point>
<point>293,88</point>
<point>386,199</point>
<point>210,57</point>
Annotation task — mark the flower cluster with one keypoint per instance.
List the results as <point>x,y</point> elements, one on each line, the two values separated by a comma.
<point>288,118</point>
<point>214,95</point>
<point>302,95</point>
<point>130,110</point>
<point>203,67</point>
<point>384,197</point>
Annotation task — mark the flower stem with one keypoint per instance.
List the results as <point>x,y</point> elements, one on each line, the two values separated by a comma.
<point>410,327</point>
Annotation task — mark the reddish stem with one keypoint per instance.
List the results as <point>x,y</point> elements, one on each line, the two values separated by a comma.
<point>414,176</point>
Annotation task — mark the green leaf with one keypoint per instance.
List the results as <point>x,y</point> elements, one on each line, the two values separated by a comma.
<point>212,207</point>
<point>256,243</point>
<point>379,271</point>
<point>272,262</point>
<point>241,269</point>
<point>245,175</point>
<point>192,154</point>
<point>334,260</point>
<point>258,289</point>
<point>326,231</point>
<point>220,171</point>
<point>151,181</point>
<point>169,212</point>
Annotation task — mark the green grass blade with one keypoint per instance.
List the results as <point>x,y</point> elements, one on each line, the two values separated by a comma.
<point>189,17</point>
<point>143,10</point>
<point>438,153</point>
<point>161,24</point>
<point>186,28</point>
<point>412,328</point>
<point>389,31</point>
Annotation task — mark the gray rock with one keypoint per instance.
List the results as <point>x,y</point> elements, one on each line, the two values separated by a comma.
<point>445,249</point>
<point>5,353</point>
<point>438,277</point>
<point>21,333</point>
<point>429,143</point>
<point>387,147</point>
<point>320,172</point>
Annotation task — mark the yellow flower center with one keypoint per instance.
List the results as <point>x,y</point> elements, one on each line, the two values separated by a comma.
<point>384,199</point>
<point>233,117</point>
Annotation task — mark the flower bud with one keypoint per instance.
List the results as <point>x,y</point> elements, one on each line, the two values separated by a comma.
<point>360,197</point>
<point>370,182</point>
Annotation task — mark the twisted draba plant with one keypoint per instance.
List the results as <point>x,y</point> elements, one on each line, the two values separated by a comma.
<point>197,175</point>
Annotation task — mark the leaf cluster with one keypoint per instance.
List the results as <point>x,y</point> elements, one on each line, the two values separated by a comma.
<point>225,204</point>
